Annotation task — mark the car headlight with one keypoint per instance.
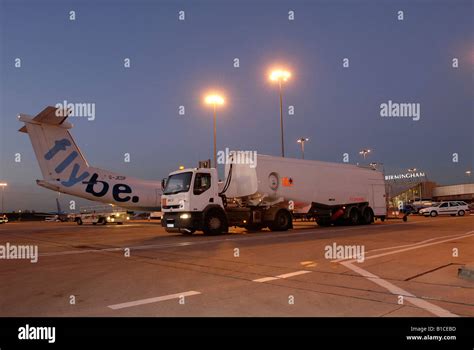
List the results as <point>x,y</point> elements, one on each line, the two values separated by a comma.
<point>108,218</point>
<point>128,217</point>
<point>184,216</point>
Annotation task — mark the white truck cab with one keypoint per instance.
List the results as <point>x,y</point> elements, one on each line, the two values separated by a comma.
<point>191,201</point>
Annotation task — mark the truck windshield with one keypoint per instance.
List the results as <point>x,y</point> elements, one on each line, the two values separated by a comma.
<point>178,183</point>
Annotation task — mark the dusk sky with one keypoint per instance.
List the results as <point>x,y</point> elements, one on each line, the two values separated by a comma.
<point>174,63</point>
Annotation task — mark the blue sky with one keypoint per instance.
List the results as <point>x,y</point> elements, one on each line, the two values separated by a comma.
<point>175,62</point>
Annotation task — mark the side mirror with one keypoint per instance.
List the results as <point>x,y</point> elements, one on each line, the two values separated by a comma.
<point>163,183</point>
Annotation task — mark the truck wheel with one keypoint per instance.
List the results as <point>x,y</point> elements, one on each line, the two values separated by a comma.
<point>282,221</point>
<point>79,221</point>
<point>461,213</point>
<point>433,213</point>
<point>367,216</point>
<point>215,223</point>
<point>353,217</point>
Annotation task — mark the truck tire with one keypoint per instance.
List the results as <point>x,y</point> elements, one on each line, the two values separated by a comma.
<point>215,223</point>
<point>353,218</point>
<point>282,221</point>
<point>367,216</point>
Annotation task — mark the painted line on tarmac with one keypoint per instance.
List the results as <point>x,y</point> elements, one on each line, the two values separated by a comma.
<point>434,309</point>
<point>417,246</point>
<point>408,247</point>
<point>285,275</point>
<point>153,300</point>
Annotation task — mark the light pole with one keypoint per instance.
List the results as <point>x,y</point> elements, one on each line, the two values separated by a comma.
<point>214,100</point>
<point>280,76</point>
<point>301,141</point>
<point>3,185</point>
<point>365,152</point>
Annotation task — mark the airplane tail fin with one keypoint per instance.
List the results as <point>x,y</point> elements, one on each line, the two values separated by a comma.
<point>54,146</point>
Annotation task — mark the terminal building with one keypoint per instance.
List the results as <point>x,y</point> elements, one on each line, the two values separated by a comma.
<point>410,191</point>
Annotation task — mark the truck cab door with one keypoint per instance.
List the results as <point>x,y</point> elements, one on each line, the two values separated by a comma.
<point>202,191</point>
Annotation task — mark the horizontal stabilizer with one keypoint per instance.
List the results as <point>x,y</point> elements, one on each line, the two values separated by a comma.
<point>50,115</point>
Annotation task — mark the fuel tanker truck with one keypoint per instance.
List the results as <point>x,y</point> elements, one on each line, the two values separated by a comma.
<point>265,192</point>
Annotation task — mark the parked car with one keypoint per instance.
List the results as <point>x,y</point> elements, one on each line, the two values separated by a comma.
<point>452,208</point>
<point>3,219</point>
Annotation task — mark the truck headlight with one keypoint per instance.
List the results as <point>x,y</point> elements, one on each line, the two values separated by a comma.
<point>108,218</point>
<point>185,216</point>
<point>128,217</point>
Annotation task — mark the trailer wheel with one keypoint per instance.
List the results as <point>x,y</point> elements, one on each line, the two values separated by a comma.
<point>353,218</point>
<point>215,223</point>
<point>367,216</point>
<point>282,221</point>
